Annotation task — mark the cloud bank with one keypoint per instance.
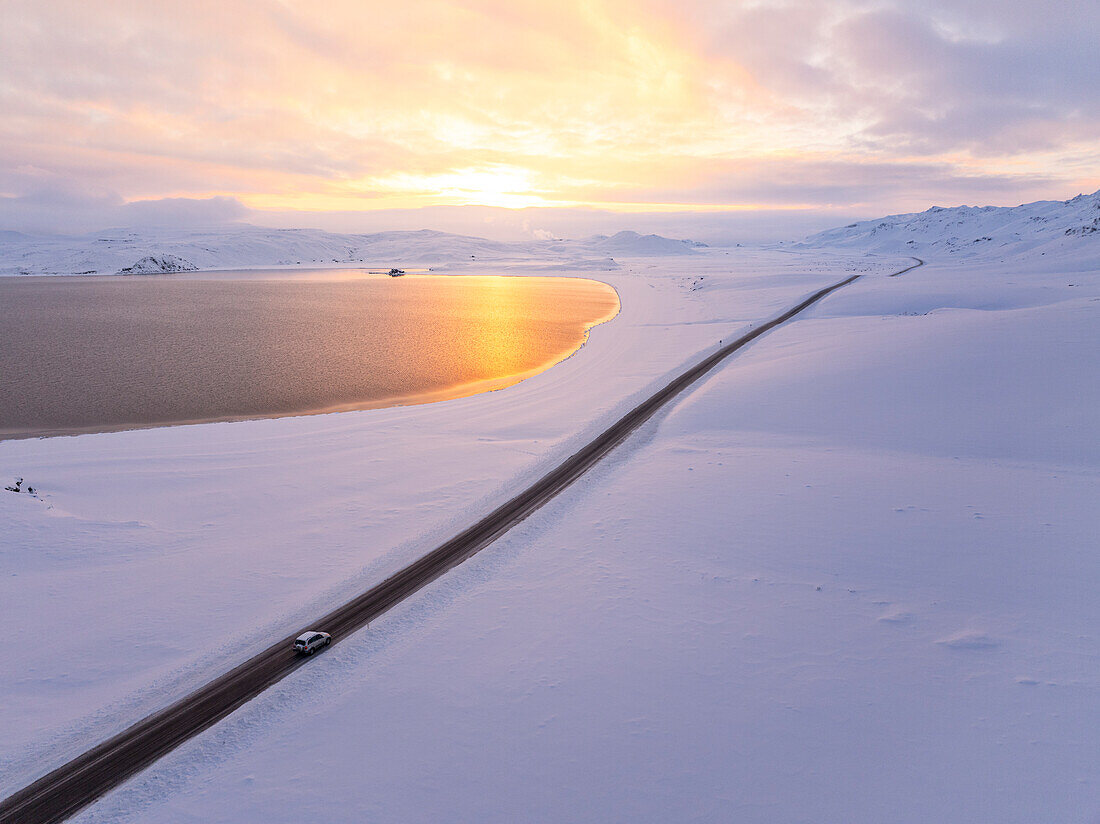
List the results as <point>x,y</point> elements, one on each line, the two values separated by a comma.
<point>200,111</point>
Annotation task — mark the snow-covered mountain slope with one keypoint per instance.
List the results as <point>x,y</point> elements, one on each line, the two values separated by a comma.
<point>1069,229</point>
<point>631,243</point>
<point>159,264</point>
<point>243,245</point>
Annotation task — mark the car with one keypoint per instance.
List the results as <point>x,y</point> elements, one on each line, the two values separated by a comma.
<point>309,642</point>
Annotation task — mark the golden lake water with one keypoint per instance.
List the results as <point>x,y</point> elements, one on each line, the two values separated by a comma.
<point>93,354</point>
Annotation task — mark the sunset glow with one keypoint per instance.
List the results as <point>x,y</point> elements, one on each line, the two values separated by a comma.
<point>629,106</point>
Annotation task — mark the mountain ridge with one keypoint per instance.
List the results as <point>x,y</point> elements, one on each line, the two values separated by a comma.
<point>976,232</point>
<point>247,246</point>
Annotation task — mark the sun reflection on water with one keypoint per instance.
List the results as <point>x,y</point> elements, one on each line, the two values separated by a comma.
<point>125,353</point>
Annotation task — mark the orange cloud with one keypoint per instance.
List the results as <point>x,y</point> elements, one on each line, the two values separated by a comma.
<point>363,105</point>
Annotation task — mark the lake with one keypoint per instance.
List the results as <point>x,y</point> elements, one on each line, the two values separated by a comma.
<point>95,354</point>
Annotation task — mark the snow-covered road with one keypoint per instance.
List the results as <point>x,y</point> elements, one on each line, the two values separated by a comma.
<point>211,539</point>
<point>91,774</point>
<point>849,578</point>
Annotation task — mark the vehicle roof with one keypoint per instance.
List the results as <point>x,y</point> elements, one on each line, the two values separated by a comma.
<point>305,636</point>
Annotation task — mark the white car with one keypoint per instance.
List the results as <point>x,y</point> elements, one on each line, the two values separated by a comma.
<point>309,642</point>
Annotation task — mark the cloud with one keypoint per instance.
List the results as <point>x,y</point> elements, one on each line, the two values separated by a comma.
<point>931,76</point>
<point>183,211</point>
<point>59,210</point>
<point>284,105</point>
<point>935,90</point>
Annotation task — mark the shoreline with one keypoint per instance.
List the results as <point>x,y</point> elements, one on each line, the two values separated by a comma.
<point>463,388</point>
<point>355,495</point>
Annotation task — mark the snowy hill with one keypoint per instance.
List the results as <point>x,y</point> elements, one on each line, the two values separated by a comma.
<point>1068,228</point>
<point>159,265</point>
<point>243,245</point>
<point>631,243</point>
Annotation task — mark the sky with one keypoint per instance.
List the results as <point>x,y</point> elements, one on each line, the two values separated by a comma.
<point>526,117</point>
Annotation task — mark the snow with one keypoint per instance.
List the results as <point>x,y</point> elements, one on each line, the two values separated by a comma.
<point>849,577</point>
<point>239,532</point>
<point>1068,231</point>
<point>244,246</point>
<point>159,264</point>
<point>631,243</point>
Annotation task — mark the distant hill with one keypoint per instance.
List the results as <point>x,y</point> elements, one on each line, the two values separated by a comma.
<point>631,243</point>
<point>246,246</point>
<point>1070,227</point>
<point>163,264</point>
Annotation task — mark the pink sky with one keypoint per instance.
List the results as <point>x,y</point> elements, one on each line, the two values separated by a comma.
<point>652,106</point>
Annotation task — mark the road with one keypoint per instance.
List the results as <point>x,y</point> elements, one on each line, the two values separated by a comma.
<point>72,786</point>
<point>919,262</point>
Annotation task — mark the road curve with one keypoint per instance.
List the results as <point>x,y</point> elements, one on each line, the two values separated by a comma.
<point>70,787</point>
<point>919,262</point>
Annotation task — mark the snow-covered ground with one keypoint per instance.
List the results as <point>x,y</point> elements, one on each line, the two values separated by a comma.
<point>149,560</point>
<point>235,246</point>
<point>850,577</point>
<point>1000,234</point>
